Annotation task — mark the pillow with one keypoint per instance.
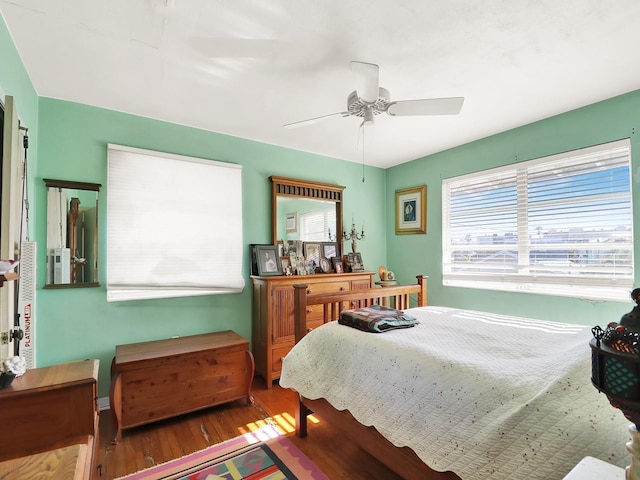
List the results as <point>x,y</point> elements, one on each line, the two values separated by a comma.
<point>376,319</point>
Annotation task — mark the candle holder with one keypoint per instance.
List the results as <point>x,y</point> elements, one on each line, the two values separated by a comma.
<point>354,236</point>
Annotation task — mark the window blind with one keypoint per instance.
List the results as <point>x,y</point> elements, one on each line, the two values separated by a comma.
<point>559,225</point>
<point>315,226</point>
<point>174,225</point>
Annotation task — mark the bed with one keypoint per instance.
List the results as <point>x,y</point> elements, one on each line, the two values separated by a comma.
<point>490,397</point>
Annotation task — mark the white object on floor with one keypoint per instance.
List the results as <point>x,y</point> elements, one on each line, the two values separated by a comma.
<point>590,468</point>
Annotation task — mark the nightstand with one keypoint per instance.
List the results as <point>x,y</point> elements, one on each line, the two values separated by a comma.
<point>590,468</point>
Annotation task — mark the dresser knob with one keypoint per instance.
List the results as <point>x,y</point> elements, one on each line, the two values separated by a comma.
<point>342,289</point>
<point>309,310</point>
<point>309,292</point>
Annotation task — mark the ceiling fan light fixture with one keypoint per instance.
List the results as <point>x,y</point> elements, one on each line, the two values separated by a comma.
<point>368,116</point>
<point>363,102</point>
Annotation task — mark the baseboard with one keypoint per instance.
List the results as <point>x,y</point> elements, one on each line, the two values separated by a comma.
<point>103,403</point>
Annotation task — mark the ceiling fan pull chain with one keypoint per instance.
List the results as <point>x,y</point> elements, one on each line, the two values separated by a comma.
<point>362,152</point>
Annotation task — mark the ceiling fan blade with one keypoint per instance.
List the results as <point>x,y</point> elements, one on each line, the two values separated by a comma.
<point>366,78</point>
<point>428,106</point>
<point>310,121</point>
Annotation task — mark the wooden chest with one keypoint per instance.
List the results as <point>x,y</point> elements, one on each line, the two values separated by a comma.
<point>155,380</point>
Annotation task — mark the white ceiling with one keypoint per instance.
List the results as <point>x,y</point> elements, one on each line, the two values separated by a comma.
<point>246,67</point>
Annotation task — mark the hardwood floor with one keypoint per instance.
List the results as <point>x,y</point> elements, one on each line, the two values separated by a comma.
<point>148,445</point>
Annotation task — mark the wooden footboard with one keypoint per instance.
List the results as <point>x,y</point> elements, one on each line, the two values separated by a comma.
<point>334,303</point>
<point>403,461</point>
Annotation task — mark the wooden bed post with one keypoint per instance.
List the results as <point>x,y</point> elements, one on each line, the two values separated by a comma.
<point>300,329</point>
<point>300,311</point>
<point>422,295</point>
<point>302,412</point>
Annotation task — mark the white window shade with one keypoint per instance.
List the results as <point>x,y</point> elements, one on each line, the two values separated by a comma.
<point>559,225</point>
<point>315,226</point>
<point>174,225</point>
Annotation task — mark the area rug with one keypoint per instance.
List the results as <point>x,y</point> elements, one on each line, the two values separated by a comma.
<point>261,455</point>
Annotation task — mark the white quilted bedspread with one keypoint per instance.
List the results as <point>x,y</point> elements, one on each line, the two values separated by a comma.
<point>486,396</point>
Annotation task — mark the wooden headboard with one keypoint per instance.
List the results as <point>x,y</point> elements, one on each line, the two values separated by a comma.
<point>334,303</point>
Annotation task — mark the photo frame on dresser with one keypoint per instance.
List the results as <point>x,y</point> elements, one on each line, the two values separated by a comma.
<point>268,260</point>
<point>312,253</point>
<point>330,249</point>
<point>254,258</point>
<point>337,264</point>
<point>355,262</point>
<point>285,262</point>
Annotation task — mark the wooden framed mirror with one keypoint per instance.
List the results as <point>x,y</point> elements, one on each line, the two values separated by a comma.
<point>306,210</point>
<point>72,234</point>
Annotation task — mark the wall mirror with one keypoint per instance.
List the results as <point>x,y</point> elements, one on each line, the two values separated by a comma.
<point>307,211</point>
<point>72,234</point>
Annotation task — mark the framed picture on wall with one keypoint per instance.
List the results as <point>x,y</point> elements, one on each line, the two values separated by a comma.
<point>291,222</point>
<point>268,260</point>
<point>411,210</point>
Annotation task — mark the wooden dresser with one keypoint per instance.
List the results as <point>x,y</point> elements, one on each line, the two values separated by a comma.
<point>155,380</point>
<point>49,416</point>
<point>273,326</point>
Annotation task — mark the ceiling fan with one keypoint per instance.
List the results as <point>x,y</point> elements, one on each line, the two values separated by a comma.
<point>369,99</point>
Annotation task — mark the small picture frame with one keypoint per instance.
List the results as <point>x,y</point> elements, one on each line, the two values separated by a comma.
<point>285,263</point>
<point>298,265</point>
<point>330,249</point>
<point>253,255</point>
<point>291,222</point>
<point>268,260</point>
<point>312,253</point>
<point>337,264</point>
<point>254,259</point>
<point>355,262</point>
<point>325,265</point>
<point>411,210</point>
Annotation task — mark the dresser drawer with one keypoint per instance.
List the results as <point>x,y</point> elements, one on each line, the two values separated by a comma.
<point>277,354</point>
<point>328,287</point>
<point>312,324</point>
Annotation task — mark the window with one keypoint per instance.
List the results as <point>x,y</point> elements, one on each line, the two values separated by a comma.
<point>174,225</point>
<point>315,226</point>
<point>559,225</point>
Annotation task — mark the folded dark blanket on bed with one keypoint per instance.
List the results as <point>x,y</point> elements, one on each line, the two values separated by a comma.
<point>376,319</point>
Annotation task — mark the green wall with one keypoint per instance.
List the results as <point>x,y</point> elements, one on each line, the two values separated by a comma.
<point>409,255</point>
<point>79,323</point>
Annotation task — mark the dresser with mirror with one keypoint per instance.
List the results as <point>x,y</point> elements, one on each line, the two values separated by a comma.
<point>273,319</point>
